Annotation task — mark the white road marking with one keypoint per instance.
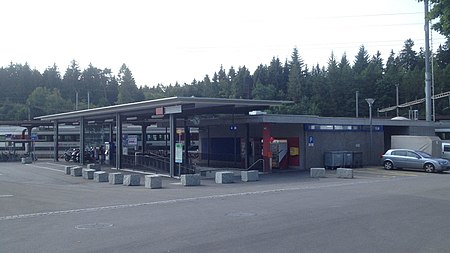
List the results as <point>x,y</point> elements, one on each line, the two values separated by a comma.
<point>45,168</point>
<point>6,196</point>
<point>173,201</point>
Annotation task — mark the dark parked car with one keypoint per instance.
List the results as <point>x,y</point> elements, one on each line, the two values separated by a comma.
<point>413,159</point>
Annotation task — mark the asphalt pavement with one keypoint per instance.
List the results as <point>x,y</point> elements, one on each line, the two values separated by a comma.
<point>44,210</point>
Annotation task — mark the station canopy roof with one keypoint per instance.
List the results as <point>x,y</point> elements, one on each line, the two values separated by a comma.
<point>151,110</point>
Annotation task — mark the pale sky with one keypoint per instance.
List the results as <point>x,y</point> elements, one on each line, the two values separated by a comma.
<point>179,40</point>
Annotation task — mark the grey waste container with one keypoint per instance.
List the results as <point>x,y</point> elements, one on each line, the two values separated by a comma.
<point>342,159</point>
<point>333,159</point>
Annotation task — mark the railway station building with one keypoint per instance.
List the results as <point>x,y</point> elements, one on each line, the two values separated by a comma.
<point>232,133</point>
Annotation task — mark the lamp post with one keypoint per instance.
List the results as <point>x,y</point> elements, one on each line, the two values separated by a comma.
<point>396,96</point>
<point>370,102</point>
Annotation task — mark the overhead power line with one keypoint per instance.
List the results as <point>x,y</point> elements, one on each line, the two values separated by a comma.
<point>370,15</point>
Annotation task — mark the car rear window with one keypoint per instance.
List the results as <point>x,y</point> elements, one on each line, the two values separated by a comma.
<point>412,154</point>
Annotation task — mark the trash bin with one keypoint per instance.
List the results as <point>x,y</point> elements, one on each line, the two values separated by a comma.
<point>333,159</point>
<point>357,160</point>
<point>342,159</point>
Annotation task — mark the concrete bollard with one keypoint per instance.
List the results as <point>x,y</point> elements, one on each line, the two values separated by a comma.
<point>190,179</point>
<point>132,180</point>
<point>88,173</point>
<point>76,171</point>
<point>26,160</point>
<point>153,182</point>
<point>67,169</point>
<point>317,172</point>
<point>251,175</point>
<point>115,178</point>
<point>94,166</point>
<point>344,173</point>
<point>224,177</point>
<point>100,176</point>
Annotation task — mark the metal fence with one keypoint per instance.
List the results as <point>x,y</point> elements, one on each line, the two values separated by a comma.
<point>154,163</point>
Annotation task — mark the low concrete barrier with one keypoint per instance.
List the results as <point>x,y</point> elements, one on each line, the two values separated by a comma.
<point>88,173</point>
<point>344,173</point>
<point>26,160</point>
<point>190,179</point>
<point>153,181</point>
<point>132,180</point>
<point>76,171</point>
<point>67,169</point>
<point>94,166</point>
<point>317,172</point>
<point>224,177</point>
<point>100,176</point>
<point>251,175</point>
<point>115,178</point>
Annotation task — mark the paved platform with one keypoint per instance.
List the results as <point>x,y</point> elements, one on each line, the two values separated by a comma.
<point>43,209</point>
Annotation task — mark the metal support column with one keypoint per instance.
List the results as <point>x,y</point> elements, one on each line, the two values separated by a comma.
<point>55,141</point>
<point>172,129</point>
<point>144,136</point>
<point>247,146</point>
<point>118,141</point>
<point>187,143</point>
<point>111,130</point>
<point>208,154</point>
<point>82,135</point>
<point>30,143</point>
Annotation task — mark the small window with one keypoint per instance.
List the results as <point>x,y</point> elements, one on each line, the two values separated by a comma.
<point>399,153</point>
<point>326,127</point>
<point>446,148</point>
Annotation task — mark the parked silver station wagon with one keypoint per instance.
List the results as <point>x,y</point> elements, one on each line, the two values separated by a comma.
<point>413,159</point>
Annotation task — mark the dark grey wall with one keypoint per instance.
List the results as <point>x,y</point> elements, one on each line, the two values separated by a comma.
<point>342,141</point>
<point>313,155</point>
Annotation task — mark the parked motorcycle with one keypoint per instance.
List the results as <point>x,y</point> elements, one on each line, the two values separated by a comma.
<point>71,154</point>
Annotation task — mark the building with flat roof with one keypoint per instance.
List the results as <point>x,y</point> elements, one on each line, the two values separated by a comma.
<point>236,133</point>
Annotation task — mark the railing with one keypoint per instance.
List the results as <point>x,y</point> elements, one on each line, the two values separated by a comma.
<point>155,163</point>
<point>159,162</point>
<point>256,162</point>
<point>147,162</point>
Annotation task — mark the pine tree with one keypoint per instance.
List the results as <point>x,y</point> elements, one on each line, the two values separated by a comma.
<point>128,90</point>
<point>408,57</point>
<point>296,77</point>
<point>71,82</point>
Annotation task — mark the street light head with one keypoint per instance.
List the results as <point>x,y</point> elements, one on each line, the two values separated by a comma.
<point>370,101</point>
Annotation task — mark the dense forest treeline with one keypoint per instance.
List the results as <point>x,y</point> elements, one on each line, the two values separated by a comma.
<point>319,90</point>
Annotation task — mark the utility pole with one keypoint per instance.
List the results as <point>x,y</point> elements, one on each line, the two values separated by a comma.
<point>427,65</point>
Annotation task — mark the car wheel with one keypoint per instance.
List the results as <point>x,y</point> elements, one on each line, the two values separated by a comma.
<point>388,165</point>
<point>429,167</point>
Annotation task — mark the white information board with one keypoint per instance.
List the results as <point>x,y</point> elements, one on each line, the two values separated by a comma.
<point>178,153</point>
